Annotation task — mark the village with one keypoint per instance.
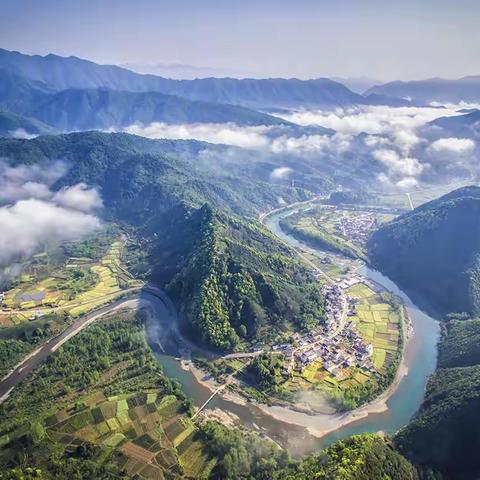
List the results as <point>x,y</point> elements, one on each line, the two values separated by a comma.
<point>357,227</point>
<point>337,345</point>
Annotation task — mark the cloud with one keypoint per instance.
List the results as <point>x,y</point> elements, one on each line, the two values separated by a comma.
<point>369,119</point>
<point>398,165</point>
<point>78,197</point>
<point>33,215</point>
<point>397,139</point>
<point>22,134</point>
<point>29,224</point>
<point>461,146</point>
<point>28,181</point>
<point>220,133</point>
<point>280,173</point>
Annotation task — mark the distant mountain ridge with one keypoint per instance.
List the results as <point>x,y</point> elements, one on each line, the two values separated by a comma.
<point>466,89</point>
<point>62,73</point>
<point>467,125</point>
<point>102,108</point>
<point>434,251</point>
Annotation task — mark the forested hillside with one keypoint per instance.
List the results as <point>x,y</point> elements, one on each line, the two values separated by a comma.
<point>445,434</point>
<point>361,457</point>
<point>434,251</point>
<point>137,176</point>
<point>243,284</point>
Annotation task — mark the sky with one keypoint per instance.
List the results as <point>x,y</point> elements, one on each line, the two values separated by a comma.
<point>380,39</point>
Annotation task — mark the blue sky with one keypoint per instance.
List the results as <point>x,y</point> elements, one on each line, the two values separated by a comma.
<point>383,39</point>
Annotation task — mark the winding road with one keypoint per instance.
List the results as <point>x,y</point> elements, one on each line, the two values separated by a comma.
<point>148,296</point>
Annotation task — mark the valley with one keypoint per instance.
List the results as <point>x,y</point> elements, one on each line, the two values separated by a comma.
<point>264,265</point>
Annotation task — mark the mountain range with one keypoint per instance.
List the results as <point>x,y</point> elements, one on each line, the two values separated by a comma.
<point>103,108</point>
<point>466,89</point>
<point>61,73</point>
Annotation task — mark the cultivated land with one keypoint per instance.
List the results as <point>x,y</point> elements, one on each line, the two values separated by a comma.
<point>77,286</point>
<point>103,391</point>
<point>342,230</point>
<point>353,357</point>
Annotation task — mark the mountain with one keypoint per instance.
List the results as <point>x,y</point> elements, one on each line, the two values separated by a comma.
<point>467,125</point>
<point>246,285</point>
<point>137,176</point>
<point>13,125</point>
<point>83,109</point>
<point>61,73</point>
<point>445,432</point>
<point>466,89</point>
<point>434,251</point>
<point>360,457</point>
<point>356,84</point>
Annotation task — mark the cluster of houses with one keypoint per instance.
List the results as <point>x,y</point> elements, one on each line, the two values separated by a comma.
<point>335,302</point>
<point>336,350</point>
<point>344,350</point>
<point>356,227</point>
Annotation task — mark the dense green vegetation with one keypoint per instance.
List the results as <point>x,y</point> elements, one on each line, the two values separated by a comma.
<point>78,366</point>
<point>108,360</point>
<point>242,455</point>
<point>361,457</point>
<point>460,345</point>
<point>434,251</point>
<point>245,285</point>
<point>140,178</point>
<point>445,432</point>
<point>18,340</point>
<point>265,372</point>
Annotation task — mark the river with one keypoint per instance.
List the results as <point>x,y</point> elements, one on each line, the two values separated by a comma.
<point>293,430</point>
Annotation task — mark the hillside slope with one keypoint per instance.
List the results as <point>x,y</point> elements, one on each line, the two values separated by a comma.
<point>245,285</point>
<point>445,433</point>
<point>466,89</point>
<point>102,108</point>
<point>434,251</point>
<point>13,125</point>
<point>360,457</point>
<point>137,176</point>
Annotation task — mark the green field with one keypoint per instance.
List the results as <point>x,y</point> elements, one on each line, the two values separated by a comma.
<point>78,286</point>
<point>379,325</point>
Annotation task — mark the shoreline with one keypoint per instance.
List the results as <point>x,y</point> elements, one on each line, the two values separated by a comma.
<point>317,424</point>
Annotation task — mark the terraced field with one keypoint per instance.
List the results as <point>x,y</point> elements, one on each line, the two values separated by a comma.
<point>378,324</point>
<point>146,434</point>
<point>31,299</point>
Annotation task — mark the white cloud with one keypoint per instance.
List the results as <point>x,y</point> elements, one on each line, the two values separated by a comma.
<point>28,224</point>
<point>398,165</point>
<point>22,134</point>
<point>370,119</point>
<point>33,215</point>
<point>280,173</point>
<point>220,133</point>
<point>78,197</point>
<point>461,146</point>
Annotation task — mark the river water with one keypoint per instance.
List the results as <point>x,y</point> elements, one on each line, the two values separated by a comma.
<point>420,359</point>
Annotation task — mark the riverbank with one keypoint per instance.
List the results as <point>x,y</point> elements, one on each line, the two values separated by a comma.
<point>317,424</point>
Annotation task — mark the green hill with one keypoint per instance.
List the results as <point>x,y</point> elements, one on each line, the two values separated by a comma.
<point>243,285</point>
<point>361,457</point>
<point>445,433</point>
<point>137,176</point>
<point>12,125</point>
<point>434,251</point>
<point>102,108</point>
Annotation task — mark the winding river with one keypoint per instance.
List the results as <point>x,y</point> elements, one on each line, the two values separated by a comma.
<point>302,433</point>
